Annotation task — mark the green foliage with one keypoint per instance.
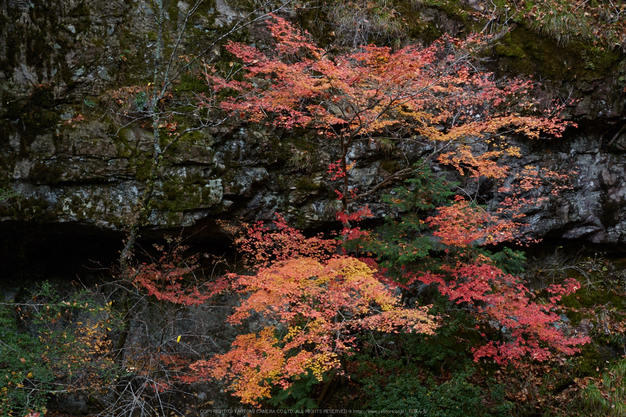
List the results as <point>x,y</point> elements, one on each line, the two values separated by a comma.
<point>432,374</point>
<point>425,191</point>
<point>509,260</point>
<point>298,395</point>
<point>20,363</point>
<point>401,240</point>
<point>141,100</point>
<point>51,345</point>
<point>448,350</point>
<point>456,397</point>
<point>451,346</point>
<point>6,194</point>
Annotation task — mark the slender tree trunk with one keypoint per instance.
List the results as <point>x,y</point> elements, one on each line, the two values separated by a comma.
<point>344,169</point>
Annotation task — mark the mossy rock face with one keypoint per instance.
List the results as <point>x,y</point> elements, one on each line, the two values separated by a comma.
<point>308,184</point>
<point>177,198</point>
<point>81,51</point>
<point>195,148</point>
<point>522,51</point>
<point>587,74</point>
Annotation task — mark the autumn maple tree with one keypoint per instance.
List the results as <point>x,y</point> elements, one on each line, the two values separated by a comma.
<point>428,94</point>
<point>173,277</point>
<point>433,96</point>
<point>314,303</point>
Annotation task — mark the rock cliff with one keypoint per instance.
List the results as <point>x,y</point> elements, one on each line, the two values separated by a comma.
<point>71,159</point>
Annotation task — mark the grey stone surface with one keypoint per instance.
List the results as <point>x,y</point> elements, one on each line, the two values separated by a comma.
<point>63,58</point>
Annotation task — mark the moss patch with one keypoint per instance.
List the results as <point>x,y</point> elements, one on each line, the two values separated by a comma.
<point>522,51</point>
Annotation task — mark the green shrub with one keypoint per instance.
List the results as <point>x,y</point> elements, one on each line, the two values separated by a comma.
<point>457,397</point>
<point>52,345</point>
